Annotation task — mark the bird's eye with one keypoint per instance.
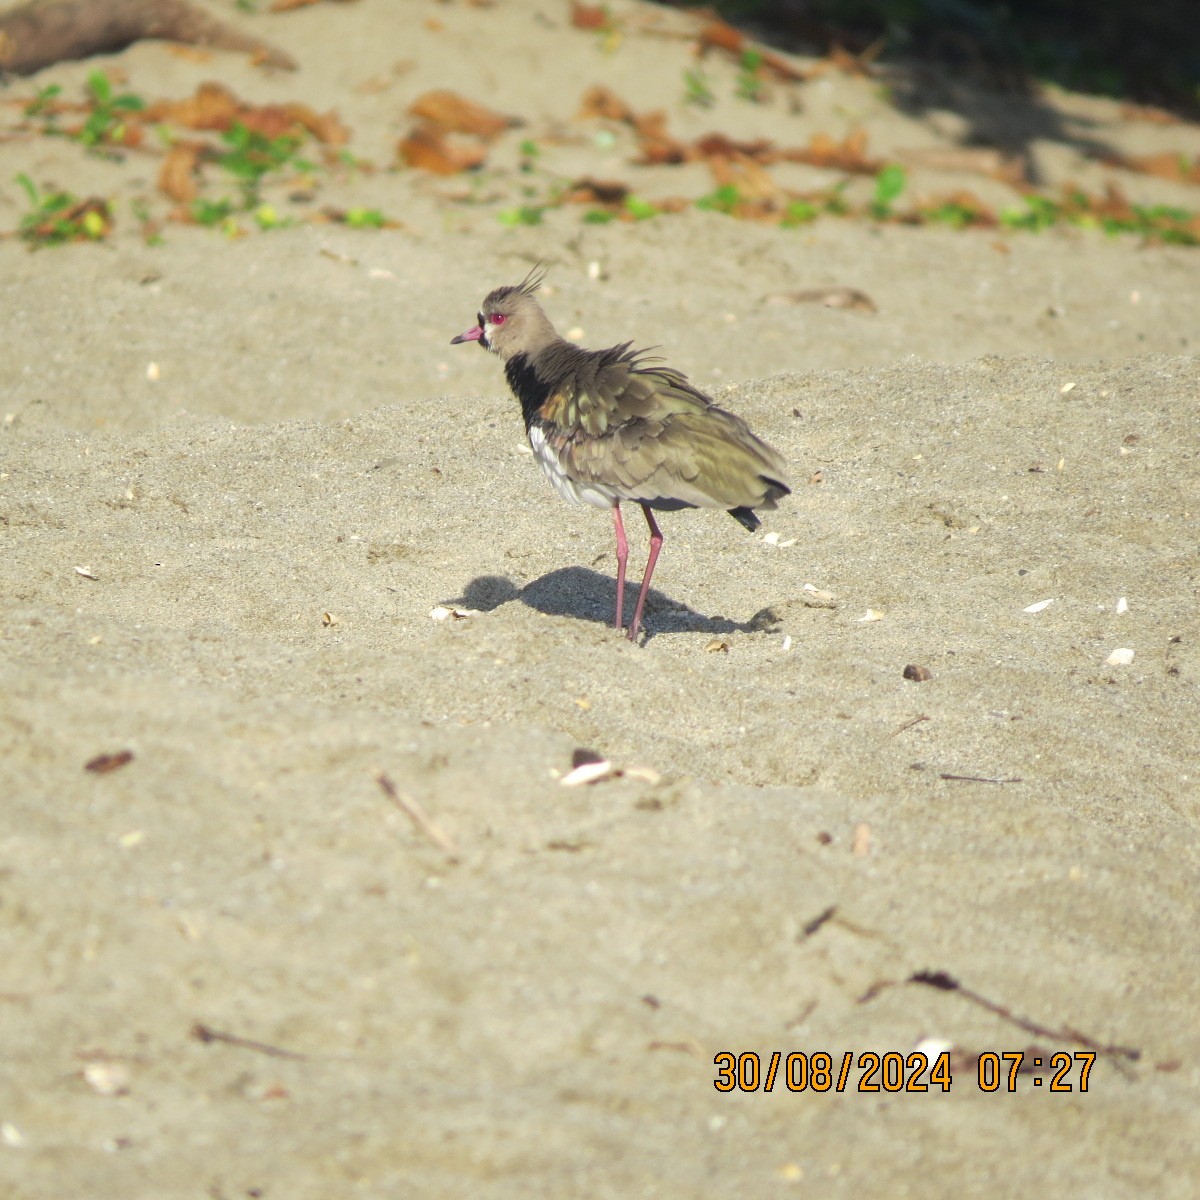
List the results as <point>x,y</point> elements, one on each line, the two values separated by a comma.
<point>496,319</point>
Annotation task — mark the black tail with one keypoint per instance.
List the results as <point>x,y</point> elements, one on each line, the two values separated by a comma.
<point>747,516</point>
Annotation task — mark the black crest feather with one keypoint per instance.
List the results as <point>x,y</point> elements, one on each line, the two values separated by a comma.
<point>526,287</point>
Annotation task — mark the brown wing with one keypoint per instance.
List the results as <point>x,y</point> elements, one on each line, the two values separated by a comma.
<point>648,433</point>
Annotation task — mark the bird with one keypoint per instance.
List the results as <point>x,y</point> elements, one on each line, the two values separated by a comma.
<point>612,426</point>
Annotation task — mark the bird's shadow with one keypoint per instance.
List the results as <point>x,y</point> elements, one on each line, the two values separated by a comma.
<point>589,596</point>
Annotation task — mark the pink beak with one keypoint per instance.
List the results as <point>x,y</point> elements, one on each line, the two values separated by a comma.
<point>472,335</point>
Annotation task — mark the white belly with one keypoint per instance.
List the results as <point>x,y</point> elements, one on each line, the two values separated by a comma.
<point>564,485</point>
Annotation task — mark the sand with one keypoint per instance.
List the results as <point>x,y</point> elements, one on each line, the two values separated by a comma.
<point>229,571</point>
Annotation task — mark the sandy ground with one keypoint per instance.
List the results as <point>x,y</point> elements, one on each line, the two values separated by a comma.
<point>229,572</point>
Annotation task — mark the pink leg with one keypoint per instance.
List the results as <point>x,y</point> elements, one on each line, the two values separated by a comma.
<point>656,541</point>
<point>622,558</point>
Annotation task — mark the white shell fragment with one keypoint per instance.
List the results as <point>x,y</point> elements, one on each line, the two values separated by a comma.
<point>931,1047</point>
<point>872,614</point>
<point>815,597</point>
<point>787,642</point>
<point>1066,387</point>
<point>86,572</point>
<point>1122,606</point>
<point>1121,657</point>
<point>591,772</point>
<point>152,372</point>
<point>860,847</point>
<point>1038,607</point>
<point>442,613</point>
<point>772,539</point>
<point>643,774</point>
<point>107,1078</point>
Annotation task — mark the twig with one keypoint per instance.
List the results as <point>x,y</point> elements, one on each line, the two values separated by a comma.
<point>909,724</point>
<point>420,818</point>
<point>947,983</point>
<point>206,1034</point>
<point>812,926</point>
<point>979,778</point>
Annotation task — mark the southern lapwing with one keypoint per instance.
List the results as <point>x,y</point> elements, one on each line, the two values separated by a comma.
<point>613,425</point>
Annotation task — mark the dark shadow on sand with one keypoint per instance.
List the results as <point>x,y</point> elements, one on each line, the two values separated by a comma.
<point>590,596</point>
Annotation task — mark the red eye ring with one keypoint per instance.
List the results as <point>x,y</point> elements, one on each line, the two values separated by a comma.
<point>496,319</point>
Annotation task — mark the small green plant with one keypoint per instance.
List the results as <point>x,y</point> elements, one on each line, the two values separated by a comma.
<point>107,121</point>
<point>639,209</point>
<point>530,153</point>
<point>58,217</point>
<point>696,89</point>
<point>210,212</point>
<point>252,156</point>
<point>889,183</point>
<point>835,202</point>
<point>723,199</point>
<point>598,216</point>
<point>525,214</point>
<point>41,104</point>
<point>957,216</point>
<point>266,216</point>
<point>1039,213</point>
<point>151,234</point>
<point>749,81</point>
<point>366,218</point>
<point>799,212</point>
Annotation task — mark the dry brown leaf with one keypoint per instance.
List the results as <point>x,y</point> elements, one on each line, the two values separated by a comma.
<point>1176,167</point>
<point>657,146</point>
<point>980,160</point>
<point>830,297</point>
<point>188,53</point>
<point>1149,114</point>
<point>588,16</point>
<point>428,149</point>
<point>213,106</point>
<point>102,764</point>
<point>716,35</point>
<point>848,155</point>
<point>327,128</point>
<point>720,145</point>
<point>601,103</point>
<point>609,192</point>
<point>861,64</point>
<point>751,180</point>
<point>177,175</point>
<point>452,113</point>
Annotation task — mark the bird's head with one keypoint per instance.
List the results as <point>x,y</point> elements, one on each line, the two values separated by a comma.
<point>511,321</point>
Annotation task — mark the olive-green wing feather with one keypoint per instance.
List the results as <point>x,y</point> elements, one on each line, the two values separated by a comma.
<point>647,432</point>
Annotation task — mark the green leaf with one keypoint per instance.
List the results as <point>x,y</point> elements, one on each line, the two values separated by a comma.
<point>889,183</point>
<point>365,218</point>
<point>30,188</point>
<point>99,86</point>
